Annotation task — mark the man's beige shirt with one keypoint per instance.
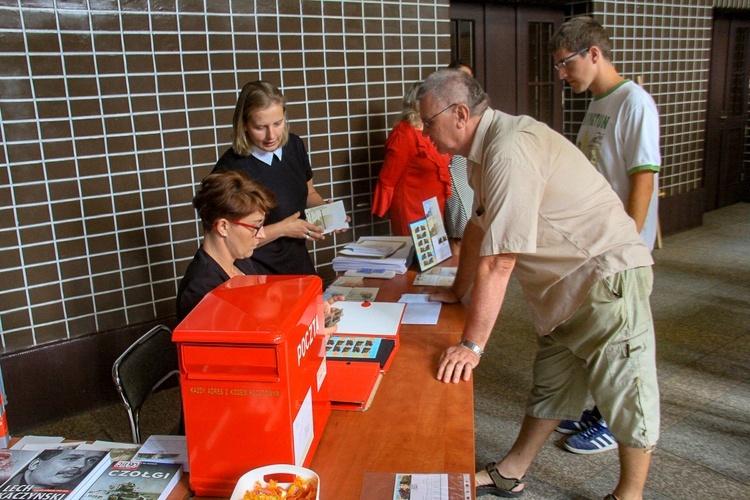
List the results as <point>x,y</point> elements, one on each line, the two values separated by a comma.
<point>537,196</point>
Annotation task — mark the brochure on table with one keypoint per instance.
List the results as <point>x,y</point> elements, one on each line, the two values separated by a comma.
<point>437,276</point>
<point>361,351</point>
<point>417,486</point>
<point>430,239</point>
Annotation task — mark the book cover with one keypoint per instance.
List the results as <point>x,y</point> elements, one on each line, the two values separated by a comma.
<point>11,462</point>
<point>54,474</point>
<point>133,480</point>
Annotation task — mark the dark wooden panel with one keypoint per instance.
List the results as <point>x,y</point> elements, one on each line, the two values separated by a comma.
<point>61,379</point>
<point>681,212</point>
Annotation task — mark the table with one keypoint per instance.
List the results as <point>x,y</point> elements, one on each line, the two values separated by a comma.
<point>416,424</point>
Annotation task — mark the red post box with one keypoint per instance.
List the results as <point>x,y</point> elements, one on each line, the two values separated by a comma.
<point>252,377</point>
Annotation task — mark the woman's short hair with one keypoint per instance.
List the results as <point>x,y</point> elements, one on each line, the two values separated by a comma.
<point>581,33</point>
<point>410,112</point>
<point>230,194</point>
<point>254,96</point>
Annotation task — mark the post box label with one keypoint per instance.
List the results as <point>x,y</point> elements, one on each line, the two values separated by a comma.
<point>321,374</point>
<point>231,391</point>
<point>307,340</point>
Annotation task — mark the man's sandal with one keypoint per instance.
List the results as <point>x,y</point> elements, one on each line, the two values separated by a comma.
<point>501,486</point>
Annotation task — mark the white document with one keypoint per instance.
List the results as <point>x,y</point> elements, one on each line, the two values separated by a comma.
<point>106,446</point>
<point>330,216</point>
<point>370,318</point>
<point>303,430</point>
<point>420,310</point>
<point>44,441</point>
<point>165,449</point>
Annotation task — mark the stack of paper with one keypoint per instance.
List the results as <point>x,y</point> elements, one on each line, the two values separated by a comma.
<point>369,248</point>
<point>398,261</point>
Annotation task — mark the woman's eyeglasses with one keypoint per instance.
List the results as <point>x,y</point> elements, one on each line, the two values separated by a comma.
<point>243,224</point>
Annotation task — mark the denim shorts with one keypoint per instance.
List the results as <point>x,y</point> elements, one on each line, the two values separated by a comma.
<point>607,347</point>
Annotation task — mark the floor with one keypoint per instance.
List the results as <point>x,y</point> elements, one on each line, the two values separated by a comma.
<point>701,307</point>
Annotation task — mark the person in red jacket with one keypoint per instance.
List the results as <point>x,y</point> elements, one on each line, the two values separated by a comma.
<point>413,171</point>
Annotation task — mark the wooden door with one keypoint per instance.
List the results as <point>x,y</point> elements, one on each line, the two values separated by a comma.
<point>726,165</point>
<point>508,45</point>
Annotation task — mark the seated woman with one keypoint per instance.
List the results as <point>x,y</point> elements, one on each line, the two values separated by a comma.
<point>232,208</point>
<point>263,147</point>
<point>413,171</point>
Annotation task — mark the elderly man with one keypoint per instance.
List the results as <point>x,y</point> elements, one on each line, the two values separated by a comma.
<point>542,211</point>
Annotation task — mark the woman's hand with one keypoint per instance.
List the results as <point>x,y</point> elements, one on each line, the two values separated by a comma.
<point>294,227</point>
<point>329,312</point>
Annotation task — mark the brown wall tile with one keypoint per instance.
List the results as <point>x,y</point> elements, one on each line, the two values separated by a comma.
<point>135,116</point>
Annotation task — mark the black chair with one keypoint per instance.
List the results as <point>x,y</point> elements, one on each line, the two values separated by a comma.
<point>142,368</point>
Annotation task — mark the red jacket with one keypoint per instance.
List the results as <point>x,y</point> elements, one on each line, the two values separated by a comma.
<point>413,171</point>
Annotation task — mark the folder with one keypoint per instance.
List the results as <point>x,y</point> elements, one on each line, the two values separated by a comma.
<point>361,351</point>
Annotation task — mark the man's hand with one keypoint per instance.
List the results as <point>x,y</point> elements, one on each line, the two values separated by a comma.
<point>444,295</point>
<point>456,364</point>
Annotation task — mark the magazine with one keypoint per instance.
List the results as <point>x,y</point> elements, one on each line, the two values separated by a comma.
<point>11,462</point>
<point>131,480</point>
<point>57,474</point>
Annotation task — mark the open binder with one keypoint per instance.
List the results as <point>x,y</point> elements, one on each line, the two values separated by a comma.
<point>361,351</point>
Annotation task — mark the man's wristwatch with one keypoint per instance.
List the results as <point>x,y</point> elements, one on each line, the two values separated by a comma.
<point>471,345</point>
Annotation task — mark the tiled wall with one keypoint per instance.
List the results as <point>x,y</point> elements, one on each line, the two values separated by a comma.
<point>111,112</point>
<point>666,46</point>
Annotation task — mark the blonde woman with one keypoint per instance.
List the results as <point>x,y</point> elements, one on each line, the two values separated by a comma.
<point>263,147</point>
<point>413,171</point>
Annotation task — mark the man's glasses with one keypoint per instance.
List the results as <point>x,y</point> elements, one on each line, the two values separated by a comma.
<point>426,123</point>
<point>564,62</point>
<point>249,226</point>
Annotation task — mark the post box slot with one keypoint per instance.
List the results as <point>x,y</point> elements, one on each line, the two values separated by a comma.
<point>241,363</point>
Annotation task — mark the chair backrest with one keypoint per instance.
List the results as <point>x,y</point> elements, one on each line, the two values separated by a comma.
<point>142,368</point>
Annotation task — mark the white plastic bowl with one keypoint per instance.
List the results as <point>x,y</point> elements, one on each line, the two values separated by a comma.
<point>265,474</point>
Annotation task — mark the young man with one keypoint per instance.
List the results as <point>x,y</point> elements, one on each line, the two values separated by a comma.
<point>541,212</point>
<point>620,137</point>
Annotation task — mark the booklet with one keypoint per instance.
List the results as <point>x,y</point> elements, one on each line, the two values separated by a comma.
<point>165,449</point>
<point>133,480</point>
<point>437,276</point>
<point>330,216</point>
<point>430,238</point>
<point>412,486</point>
